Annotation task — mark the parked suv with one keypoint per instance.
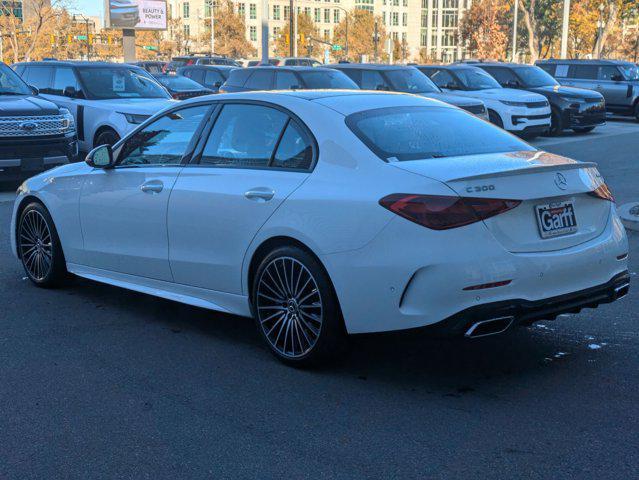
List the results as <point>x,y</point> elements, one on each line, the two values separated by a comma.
<point>576,108</point>
<point>108,100</point>
<point>35,134</point>
<point>616,80</point>
<point>523,113</point>
<point>177,62</point>
<point>403,79</point>
<point>286,78</point>
<point>209,76</point>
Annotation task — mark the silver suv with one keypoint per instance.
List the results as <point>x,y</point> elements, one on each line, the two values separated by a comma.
<point>616,80</point>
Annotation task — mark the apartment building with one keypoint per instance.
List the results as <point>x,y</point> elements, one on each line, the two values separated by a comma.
<point>416,24</point>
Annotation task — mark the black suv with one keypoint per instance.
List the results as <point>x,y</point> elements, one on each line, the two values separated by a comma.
<point>209,76</point>
<point>286,78</point>
<point>35,134</point>
<point>576,108</point>
<point>406,79</point>
<point>185,61</point>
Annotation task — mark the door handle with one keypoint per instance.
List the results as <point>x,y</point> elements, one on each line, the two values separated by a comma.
<point>152,186</point>
<point>260,194</point>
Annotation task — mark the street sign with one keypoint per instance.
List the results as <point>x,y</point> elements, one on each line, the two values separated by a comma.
<point>150,47</point>
<point>336,48</point>
<point>80,37</point>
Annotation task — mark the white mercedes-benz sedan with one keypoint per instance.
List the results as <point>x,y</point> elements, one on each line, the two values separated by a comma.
<point>328,213</point>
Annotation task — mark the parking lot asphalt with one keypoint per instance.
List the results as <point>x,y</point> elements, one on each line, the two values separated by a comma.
<point>98,382</point>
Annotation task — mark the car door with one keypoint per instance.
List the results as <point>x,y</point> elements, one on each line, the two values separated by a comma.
<point>123,209</point>
<point>255,156</point>
<point>611,85</point>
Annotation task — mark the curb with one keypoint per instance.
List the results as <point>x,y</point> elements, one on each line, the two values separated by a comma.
<point>629,214</point>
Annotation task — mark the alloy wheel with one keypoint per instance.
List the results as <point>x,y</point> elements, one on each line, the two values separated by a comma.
<point>36,249</point>
<point>289,307</point>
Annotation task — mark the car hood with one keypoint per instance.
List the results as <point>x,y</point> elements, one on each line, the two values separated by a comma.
<point>453,99</point>
<point>508,94</point>
<point>12,105</point>
<point>568,92</point>
<point>142,106</point>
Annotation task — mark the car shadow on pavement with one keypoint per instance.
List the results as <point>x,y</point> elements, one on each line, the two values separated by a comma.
<point>451,367</point>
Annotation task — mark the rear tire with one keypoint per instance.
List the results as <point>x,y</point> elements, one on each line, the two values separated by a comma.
<point>39,247</point>
<point>296,309</point>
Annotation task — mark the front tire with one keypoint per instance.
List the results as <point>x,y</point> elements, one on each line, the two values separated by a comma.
<point>296,309</point>
<point>39,247</point>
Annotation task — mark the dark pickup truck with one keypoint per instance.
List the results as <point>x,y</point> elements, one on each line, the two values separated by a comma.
<point>35,134</point>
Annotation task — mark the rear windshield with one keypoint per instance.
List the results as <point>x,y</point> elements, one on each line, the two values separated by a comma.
<point>328,79</point>
<point>415,133</point>
<point>178,82</point>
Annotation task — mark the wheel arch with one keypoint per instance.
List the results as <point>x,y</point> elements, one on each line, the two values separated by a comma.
<point>100,130</point>
<point>26,200</point>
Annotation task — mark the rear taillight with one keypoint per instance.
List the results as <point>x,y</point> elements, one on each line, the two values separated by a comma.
<point>441,212</point>
<point>603,192</point>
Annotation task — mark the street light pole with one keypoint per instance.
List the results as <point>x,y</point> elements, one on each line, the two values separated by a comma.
<point>264,32</point>
<point>600,28</point>
<point>375,40</point>
<point>212,2</point>
<point>514,52</point>
<point>291,29</point>
<point>564,29</point>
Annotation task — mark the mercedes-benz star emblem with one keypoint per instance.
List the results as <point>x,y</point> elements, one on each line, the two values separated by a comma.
<point>561,182</point>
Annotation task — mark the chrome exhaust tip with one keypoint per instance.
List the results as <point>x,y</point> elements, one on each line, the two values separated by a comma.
<point>492,326</point>
<point>622,290</point>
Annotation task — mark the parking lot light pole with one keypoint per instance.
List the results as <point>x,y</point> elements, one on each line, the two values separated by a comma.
<point>564,29</point>
<point>212,14</point>
<point>514,52</point>
<point>264,32</point>
<point>346,32</point>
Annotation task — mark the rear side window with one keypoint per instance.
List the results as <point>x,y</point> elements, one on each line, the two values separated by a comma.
<point>40,77</point>
<point>212,77</point>
<point>244,136</point>
<point>586,72</point>
<point>420,133</point>
<point>327,79</point>
<point>294,150</point>
<point>260,80</point>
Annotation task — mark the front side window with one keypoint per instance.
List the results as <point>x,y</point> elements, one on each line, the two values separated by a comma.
<point>286,81</point>
<point>260,80</point>
<point>608,72</point>
<point>533,77</point>
<point>244,136</point>
<point>63,78</point>
<point>442,78</point>
<point>476,79</point>
<point>104,83</point>
<point>420,133</point>
<point>213,78</point>
<point>631,72</point>
<point>163,142</point>
<point>372,80</point>
<point>327,80</point>
<point>410,80</point>
<point>11,83</point>
<point>586,72</point>
<point>503,75</point>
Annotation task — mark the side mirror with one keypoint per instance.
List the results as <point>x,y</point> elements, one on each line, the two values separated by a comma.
<point>512,84</point>
<point>100,157</point>
<point>217,84</point>
<point>35,90</point>
<point>70,92</point>
<point>617,78</point>
<point>450,86</point>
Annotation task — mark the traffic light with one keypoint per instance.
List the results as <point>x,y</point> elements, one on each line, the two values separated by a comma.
<point>69,38</point>
<point>52,39</point>
<point>302,39</point>
<point>90,38</point>
<point>287,39</point>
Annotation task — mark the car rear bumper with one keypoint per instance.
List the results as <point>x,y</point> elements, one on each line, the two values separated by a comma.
<point>410,276</point>
<point>22,158</point>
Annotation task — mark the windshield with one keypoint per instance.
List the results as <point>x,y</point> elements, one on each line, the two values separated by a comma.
<point>108,82</point>
<point>11,83</point>
<point>418,133</point>
<point>631,72</point>
<point>329,80</point>
<point>535,77</point>
<point>179,83</point>
<point>410,80</point>
<point>476,79</point>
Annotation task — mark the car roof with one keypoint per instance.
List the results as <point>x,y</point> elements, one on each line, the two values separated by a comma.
<point>344,102</point>
<point>458,66</point>
<point>295,68</point>
<point>211,67</point>
<point>579,61</point>
<point>79,63</point>
<point>369,66</point>
<point>498,64</point>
